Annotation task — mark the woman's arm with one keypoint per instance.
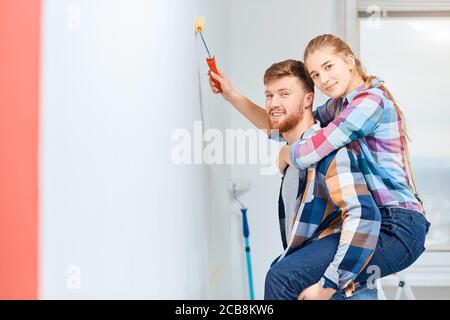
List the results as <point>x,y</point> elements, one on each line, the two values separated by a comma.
<point>361,221</point>
<point>358,120</point>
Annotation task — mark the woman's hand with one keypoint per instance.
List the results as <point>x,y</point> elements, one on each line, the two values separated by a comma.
<point>316,292</point>
<point>284,158</point>
<point>227,89</point>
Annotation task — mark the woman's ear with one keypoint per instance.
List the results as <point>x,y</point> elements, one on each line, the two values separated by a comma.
<point>351,61</point>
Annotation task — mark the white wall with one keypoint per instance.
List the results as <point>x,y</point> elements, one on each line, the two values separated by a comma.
<point>115,84</point>
<point>113,91</point>
<point>264,32</point>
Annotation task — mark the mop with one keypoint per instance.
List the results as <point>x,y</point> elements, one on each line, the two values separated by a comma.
<point>242,186</point>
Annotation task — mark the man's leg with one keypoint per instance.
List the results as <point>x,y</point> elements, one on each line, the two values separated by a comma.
<point>301,269</point>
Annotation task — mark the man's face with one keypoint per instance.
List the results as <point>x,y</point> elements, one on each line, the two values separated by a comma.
<point>285,103</point>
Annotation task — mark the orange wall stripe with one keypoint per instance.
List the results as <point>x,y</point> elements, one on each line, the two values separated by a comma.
<point>19,114</point>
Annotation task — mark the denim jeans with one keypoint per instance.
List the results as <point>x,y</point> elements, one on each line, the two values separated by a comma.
<point>400,243</point>
<point>361,293</point>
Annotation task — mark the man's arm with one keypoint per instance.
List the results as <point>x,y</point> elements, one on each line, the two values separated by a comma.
<point>247,108</point>
<point>361,221</point>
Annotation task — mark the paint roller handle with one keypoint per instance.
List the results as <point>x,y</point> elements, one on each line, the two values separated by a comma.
<point>212,67</point>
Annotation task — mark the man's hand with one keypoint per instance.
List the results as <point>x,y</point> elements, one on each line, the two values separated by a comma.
<point>225,84</point>
<point>284,158</point>
<point>316,292</point>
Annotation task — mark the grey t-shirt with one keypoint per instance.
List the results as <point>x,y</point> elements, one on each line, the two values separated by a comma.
<point>289,194</point>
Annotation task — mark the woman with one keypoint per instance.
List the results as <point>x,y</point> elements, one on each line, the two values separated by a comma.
<point>363,115</point>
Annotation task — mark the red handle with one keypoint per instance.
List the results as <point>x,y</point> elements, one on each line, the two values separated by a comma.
<point>212,66</point>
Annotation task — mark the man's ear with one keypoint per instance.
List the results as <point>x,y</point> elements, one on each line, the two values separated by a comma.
<point>308,100</point>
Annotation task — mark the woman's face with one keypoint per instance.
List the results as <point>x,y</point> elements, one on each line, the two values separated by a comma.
<point>330,72</point>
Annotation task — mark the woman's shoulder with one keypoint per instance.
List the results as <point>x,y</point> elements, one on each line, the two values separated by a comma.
<point>373,95</point>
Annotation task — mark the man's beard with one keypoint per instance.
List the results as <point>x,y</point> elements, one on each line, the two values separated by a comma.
<point>288,123</point>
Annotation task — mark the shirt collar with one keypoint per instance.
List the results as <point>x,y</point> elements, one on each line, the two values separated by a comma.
<point>311,130</point>
<point>376,83</point>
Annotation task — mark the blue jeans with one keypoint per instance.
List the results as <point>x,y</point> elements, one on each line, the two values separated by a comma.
<point>361,293</point>
<point>400,243</point>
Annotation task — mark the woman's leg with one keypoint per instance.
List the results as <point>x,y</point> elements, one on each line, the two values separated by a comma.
<point>366,294</point>
<point>401,242</point>
<point>361,293</point>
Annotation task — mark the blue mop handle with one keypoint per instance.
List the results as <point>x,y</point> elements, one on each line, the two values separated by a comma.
<point>244,222</point>
<point>247,251</point>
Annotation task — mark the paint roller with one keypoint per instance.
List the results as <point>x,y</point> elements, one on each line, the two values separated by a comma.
<point>210,60</point>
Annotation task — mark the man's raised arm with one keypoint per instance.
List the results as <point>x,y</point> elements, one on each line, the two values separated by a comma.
<point>247,108</point>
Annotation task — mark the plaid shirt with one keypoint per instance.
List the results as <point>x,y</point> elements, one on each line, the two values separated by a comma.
<point>336,199</point>
<point>369,125</point>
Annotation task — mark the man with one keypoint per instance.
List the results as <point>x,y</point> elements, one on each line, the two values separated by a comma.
<point>328,220</point>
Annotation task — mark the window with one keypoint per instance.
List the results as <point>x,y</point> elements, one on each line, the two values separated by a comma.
<point>412,55</point>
